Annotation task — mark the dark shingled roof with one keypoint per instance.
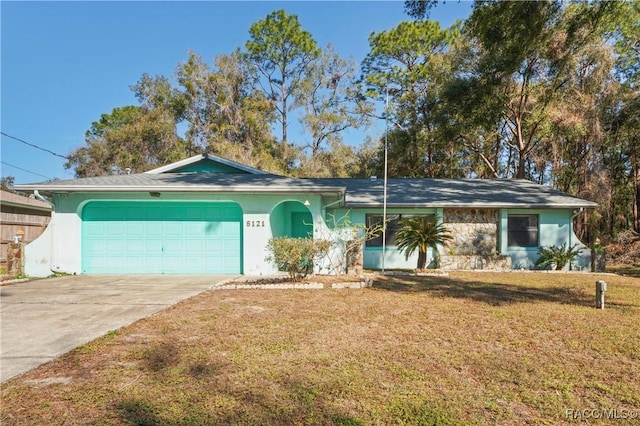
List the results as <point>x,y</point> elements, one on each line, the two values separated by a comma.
<point>184,182</point>
<point>496,193</point>
<point>488,193</point>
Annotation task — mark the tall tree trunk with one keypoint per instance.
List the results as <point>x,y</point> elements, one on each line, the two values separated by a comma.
<point>283,146</point>
<point>635,170</point>
<point>522,161</point>
<point>636,206</point>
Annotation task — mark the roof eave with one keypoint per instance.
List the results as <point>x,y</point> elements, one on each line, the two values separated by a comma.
<point>159,188</point>
<point>26,206</point>
<point>470,205</point>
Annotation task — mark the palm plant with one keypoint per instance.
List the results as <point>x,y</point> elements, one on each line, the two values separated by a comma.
<point>420,233</point>
<point>558,256</point>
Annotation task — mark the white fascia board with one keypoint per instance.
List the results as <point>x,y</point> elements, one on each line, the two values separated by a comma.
<point>26,206</point>
<point>176,165</point>
<point>587,204</point>
<point>208,188</point>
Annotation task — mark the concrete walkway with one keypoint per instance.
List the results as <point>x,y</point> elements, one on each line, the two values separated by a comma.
<point>43,319</point>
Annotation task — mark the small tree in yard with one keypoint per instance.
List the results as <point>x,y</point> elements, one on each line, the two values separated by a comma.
<point>420,233</point>
<point>352,236</point>
<point>296,256</point>
<point>558,256</point>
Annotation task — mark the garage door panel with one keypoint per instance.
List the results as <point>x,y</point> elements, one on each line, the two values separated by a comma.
<point>115,246</point>
<point>134,260</point>
<point>174,247</point>
<point>215,262</point>
<point>193,246</point>
<point>213,246</point>
<point>155,237</point>
<point>194,214</point>
<point>135,246</point>
<point>94,227</point>
<point>228,229</point>
<point>153,229</point>
<point>134,229</point>
<point>95,263</point>
<point>232,246</point>
<point>173,228</point>
<point>194,229</point>
<point>114,229</point>
<point>173,214</point>
<point>114,213</point>
<point>153,245</point>
<point>97,246</point>
<point>153,264</point>
<point>135,214</point>
<point>193,262</point>
<point>213,214</point>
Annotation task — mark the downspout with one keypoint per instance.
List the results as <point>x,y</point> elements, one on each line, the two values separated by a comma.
<point>52,225</point>
<point>580,210</point>
<point>41,198</point>
<point>324,208</point>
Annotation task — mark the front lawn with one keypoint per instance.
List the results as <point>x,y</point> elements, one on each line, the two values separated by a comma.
<point>485,348</point>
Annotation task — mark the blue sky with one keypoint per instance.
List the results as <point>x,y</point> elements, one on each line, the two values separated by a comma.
<point>65,63</point>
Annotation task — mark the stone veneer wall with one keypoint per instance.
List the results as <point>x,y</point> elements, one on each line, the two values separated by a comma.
<point>475,262</point>
<point>474,231</point>
<point>15,259</point>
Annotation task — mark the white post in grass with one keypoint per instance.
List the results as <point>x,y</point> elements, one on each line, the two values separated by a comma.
<point>601,287</point>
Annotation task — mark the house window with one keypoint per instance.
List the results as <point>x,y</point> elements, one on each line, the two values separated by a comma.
<point>393,226</point>
<point>523,230</point>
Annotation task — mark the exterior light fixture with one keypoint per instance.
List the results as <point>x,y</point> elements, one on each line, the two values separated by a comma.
<point>18,236</point>
<point>154,194</point>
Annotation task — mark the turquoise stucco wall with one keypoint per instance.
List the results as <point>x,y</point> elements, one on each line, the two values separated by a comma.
<point>373,256</point>
<point>208,167</point>
<point>555,228</point>
<point>283,219</point>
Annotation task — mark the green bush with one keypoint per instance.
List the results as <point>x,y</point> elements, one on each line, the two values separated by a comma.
<point>296,256</point>
<point>556,256</point>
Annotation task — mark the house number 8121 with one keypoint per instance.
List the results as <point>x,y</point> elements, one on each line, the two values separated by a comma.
<point>255,224</point>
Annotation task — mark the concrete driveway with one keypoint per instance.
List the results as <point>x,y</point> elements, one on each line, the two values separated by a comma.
<point>43,319</point>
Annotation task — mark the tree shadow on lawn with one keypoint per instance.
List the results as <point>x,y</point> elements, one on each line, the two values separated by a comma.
<point>295,400</point>
<point>491,293</point>
<point>295,405</point>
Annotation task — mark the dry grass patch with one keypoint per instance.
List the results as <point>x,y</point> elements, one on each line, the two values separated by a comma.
<point>486,348</point>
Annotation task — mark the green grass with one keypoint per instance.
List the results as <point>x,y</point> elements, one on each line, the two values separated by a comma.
<point>484,348</point>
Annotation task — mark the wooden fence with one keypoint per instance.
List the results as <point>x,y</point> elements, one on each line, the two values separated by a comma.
<point>20,214</point>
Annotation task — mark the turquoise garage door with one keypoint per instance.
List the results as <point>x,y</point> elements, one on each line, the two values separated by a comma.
<point>133,237</point>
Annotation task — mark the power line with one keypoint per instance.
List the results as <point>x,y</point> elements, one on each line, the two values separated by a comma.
<point>25,170</point>
<point>35,146</point>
